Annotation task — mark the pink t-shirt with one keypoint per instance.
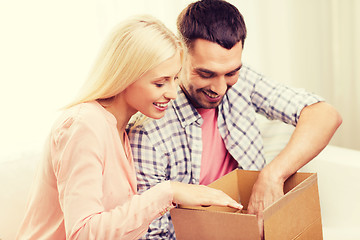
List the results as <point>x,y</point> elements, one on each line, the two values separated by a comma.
<point>86,184</point>
<point>215,160</point>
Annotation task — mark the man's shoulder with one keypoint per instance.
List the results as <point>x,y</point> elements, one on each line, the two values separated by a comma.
<point>249,76</point>
<point>248,69</point>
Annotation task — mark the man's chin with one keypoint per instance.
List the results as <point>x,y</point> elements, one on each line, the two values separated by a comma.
<point>205,103</point>
<point>210,105</point>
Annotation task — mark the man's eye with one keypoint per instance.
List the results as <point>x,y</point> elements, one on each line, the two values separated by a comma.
<point>233,74</point>
<point>159,85</point>
<point>202,75</point>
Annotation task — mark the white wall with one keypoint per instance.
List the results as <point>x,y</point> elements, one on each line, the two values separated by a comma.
<point>46,51</point>
<point>314,45</point>
<point>47,48</point>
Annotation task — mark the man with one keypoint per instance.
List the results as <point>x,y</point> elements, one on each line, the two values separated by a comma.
<point>211,128</point>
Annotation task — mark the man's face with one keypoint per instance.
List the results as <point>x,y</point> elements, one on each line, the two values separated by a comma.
<point>212,70</point>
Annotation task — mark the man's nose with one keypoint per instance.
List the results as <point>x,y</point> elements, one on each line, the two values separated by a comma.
<point>219,85</point>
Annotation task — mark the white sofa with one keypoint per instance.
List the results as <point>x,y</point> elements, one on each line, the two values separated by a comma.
<point>339,189</point>
<point>338,177</point>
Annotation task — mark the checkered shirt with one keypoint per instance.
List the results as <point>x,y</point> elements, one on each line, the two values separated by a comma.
<point>170,148</point>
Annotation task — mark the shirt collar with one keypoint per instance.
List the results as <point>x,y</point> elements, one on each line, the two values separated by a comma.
<point>185,111</point>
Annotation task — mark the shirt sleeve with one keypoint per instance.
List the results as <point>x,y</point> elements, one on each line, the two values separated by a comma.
<point>277,101</point>
<point>151,170</point>
<point>78,161</point>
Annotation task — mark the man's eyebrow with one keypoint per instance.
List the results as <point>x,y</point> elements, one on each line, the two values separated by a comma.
<point>236,69</point>
<point>204,70</point>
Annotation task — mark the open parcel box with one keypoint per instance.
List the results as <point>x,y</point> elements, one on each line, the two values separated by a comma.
<point>294,216</point>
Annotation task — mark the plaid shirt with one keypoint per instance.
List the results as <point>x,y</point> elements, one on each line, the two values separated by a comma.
<point>170,148</point>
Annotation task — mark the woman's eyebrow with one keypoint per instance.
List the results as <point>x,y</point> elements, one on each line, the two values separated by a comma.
<point>165,77</point>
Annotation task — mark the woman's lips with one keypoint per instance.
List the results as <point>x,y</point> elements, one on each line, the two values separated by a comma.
<point>161,106</point>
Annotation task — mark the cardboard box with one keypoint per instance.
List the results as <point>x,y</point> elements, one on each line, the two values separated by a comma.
<point>296,215</point>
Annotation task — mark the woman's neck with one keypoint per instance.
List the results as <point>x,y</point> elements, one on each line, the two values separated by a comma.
<point>117,107</point>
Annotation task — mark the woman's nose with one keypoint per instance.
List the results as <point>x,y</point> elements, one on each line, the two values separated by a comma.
<point>171,93</point>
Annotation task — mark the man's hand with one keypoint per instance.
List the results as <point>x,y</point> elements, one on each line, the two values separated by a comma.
<point>266,190</point>
<point>316,125</point>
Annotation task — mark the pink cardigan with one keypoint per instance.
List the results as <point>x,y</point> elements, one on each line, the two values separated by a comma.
<point>86,185</point>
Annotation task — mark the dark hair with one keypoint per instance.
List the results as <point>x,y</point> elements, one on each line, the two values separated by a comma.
<point>213,20</point>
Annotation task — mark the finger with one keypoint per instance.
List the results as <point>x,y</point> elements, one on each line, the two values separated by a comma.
<point>224,202</point>
<point>251,206</point>
<point>205,205</point>
<point>235,205</point>
<point>251,209</point>
<point>232,203</point>
<point>261,226</point>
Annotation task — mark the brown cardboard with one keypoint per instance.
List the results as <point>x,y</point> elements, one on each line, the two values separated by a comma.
<point>294,216</point>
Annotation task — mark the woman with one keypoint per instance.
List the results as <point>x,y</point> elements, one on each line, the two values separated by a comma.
<point>86,184</point>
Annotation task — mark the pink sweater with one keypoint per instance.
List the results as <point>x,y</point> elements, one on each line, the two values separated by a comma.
<point>85,187</point>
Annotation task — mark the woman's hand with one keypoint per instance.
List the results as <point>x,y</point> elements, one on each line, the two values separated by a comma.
<point>197,195</point>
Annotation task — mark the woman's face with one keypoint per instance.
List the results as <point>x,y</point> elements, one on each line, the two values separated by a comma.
<point>151,93</point>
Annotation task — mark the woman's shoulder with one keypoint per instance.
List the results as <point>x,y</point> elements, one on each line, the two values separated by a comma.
<point>90,115</point>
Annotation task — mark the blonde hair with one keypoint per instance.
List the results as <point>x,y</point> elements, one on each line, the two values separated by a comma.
<point>134,47</point>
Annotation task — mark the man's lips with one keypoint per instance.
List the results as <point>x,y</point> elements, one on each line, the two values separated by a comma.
<point>212,97</point>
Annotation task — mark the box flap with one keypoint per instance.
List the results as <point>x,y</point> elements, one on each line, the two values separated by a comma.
<point>246,181</point>
<point>198,224</point>
<point>295,211</point>
<point>295,180</point>
<point>313,232</point>
<point>237,184</point>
